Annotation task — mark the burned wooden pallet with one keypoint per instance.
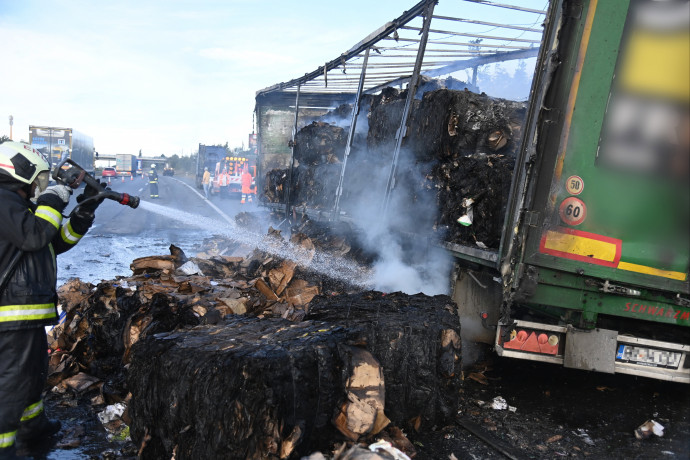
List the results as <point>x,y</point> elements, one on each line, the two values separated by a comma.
<point>251,388</point>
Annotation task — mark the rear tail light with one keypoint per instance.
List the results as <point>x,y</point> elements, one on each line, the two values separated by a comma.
<point>533,341</point>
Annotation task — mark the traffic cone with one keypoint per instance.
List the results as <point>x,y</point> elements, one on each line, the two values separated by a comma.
<point>131,177</point>
<point>123,178</point>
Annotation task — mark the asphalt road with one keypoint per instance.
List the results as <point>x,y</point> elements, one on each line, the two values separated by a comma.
<point>120,234</point>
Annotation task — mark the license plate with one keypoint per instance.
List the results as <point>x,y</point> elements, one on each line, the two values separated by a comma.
<point>646,356</point>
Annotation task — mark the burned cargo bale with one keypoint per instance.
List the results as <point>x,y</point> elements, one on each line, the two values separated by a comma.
<point>405,334</point>
<point>474,188</point>
<point>315,186</point>
<point>319,143</point>
<point>340,114</point>
<point>448,124</point>
<point>384,121</point>
<point>99,335</point>
<point>250,388</point>
<point>387,94</point>
<point>434,171</point>
<point>275,185</point>
<point>237,390</point>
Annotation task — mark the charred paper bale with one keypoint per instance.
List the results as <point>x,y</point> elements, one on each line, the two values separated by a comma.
<point>314,186</point>
<point>483,179</point>
<point>448,124</point>
<point>416,338</point>
<point>251,388</point>
<point>319,143</point>
<point>236,391</point>
<point>275,184</point>
<point>337,116</point>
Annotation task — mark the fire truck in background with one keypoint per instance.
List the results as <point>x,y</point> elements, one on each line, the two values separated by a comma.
<point>225,167</point>
<point>228,173</point>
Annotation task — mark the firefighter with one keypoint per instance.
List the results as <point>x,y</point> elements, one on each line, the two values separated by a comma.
<point>246,185</point>
<point>30,237</point>
<point>153,182</point>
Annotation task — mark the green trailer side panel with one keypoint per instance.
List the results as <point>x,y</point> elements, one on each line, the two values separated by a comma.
<point>615,194</point>
<point>568,291</point>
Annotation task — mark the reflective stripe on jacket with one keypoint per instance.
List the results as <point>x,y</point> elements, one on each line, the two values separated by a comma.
<point>29,298</point>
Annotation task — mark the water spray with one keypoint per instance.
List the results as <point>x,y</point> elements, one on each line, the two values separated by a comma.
<point>330,266</point>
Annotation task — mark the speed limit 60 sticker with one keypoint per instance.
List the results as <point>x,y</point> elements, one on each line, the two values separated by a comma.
<point>573,211</point>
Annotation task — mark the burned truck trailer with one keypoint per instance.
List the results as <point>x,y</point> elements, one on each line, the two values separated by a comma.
<point>61,143</point>
<point>567,222</point>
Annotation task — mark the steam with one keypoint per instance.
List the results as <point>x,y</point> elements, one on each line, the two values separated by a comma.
<point>405,260</point>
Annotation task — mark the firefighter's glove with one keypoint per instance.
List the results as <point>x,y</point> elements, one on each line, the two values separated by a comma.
<point>55,196</point>
<point>90,206</point>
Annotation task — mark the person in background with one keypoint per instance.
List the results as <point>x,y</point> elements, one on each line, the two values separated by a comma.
<point>153,182</point>
<point>246,185</point>
<point>223,183</point>
<point>30,237</point>
<point>206,181</point>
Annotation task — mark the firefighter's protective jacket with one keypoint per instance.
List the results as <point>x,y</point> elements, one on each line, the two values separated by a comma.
<point>29,298</point>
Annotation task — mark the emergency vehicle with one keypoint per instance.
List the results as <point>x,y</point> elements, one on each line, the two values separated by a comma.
<point>228,173</point>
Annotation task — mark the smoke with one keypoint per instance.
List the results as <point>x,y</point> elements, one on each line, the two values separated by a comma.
<point>406,258</point>
<point>400,236</point>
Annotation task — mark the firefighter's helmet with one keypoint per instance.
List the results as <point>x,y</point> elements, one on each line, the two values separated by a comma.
<point>24,164</point>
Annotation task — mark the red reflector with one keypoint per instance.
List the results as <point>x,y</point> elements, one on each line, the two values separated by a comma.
<point>531,342</point>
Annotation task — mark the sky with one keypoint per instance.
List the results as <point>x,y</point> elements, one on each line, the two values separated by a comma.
<point>164,76</point>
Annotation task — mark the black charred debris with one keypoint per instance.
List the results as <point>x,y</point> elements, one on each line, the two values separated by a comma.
<point>252,356</point>
<point>458,154</point>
